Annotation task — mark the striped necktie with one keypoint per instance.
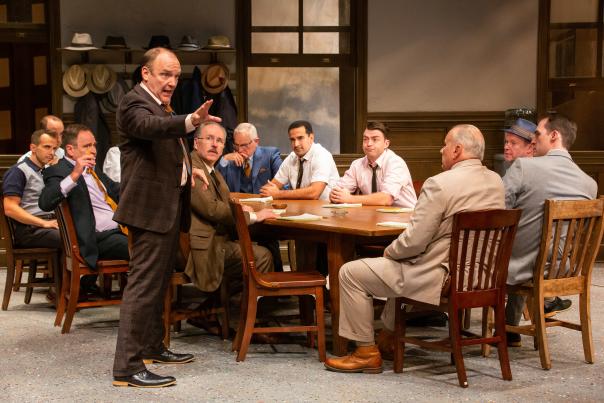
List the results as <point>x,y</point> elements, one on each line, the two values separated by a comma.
<point>247,168</point>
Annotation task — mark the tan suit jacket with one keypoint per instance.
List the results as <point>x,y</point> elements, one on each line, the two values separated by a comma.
<point>211,223</point>
<point>418,258</point>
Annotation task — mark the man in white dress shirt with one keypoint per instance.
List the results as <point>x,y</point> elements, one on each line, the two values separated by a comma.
<point>309,170</point>
<point>381,177</point>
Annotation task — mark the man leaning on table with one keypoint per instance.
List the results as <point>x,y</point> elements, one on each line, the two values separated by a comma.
<point>381,177</point>
<point>309,170</point>
<point>415,264</point>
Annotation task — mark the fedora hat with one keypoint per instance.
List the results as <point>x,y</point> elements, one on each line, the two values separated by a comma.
<point>522,128</point>
<point>159,41</point>
<point>215,78</point>
<point>74,81</point>
<point>188,43</point>
<point>112,100</point>
<point>81,41</point>
<point>101,79</point>
<point>115,42</point>
<point>218,42</point>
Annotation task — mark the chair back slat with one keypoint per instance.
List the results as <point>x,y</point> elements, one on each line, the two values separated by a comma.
<point>245,242</point>
<point>569,253</point>
<point>555,246</point>
<point>8,232</point>
<point>67,231</point>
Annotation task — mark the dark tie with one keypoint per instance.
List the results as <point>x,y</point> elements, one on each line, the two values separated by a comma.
<point>300,173</point>
<point>374,179</point>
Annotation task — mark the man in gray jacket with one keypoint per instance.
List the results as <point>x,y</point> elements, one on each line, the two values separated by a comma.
<point>528,183</point>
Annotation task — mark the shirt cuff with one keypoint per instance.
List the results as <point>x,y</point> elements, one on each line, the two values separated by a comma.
<point>253,217</point>
<point>189,127</point>
<point>67,185</point>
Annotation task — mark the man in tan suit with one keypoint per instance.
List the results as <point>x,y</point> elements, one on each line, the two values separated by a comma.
<point>416,264</point>
<point>214,254</point>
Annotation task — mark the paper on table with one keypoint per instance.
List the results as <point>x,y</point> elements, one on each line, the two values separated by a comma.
<point>279,211</point>
<point>393,224</point>
<point>395,210</point>
<point>301,217</point>
<point>257,200</point>
<point>342,205</point>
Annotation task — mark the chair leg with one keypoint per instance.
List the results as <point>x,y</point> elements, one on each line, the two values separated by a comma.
<point>502,347</point>
<point>167,313</point>
<point>10,279</point>
<point>541,335</point>
<point>224,302</point>
<point>467,318</point>
<point>588,346</point>
<point>250,320</point>
<point>242,315</point>
<point>18,275</point>
<point>400,328</point>
<point>487,329</point>
<point>455,335</point>
<point>74,293</point>
<point>62,295</point>
<point>31,276</point>
<point>320,323</point>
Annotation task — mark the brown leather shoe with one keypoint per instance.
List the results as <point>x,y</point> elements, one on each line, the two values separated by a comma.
<point>385,343</point>
<point>364,359</point>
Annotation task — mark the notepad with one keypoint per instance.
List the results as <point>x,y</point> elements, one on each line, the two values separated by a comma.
<point>279,211</point>
<point>301,217</point>
<point>393,224</point>
<point>395,210</point>
<point>257,200</point>
<point>342,205</point>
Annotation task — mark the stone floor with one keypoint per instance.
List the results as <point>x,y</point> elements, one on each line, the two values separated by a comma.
<point>40,364</point>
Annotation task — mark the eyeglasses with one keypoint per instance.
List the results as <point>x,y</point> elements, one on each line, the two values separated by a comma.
<point>212,139</point>
<point>238,146</point>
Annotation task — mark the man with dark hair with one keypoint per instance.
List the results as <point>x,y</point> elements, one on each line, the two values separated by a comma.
<point>528,183</point>
<point>91,196</point>
<point>50,124</point>
<point>155,200</point>
<point>381,177</point>
<point>309,170</point>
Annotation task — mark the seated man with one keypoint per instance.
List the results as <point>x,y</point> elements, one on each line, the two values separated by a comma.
<point>50,123</point>
<point>381,177</point>
<point>92,198</point>
<point>519,141</point>
<point>528,183</point>
<point>309,170</point>
<point>215,254</point>
<point>415,264</point>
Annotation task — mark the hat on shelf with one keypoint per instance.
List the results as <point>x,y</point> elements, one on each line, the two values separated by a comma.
<point>101,79</point>
<point>115,42</point>
<point>159,41</point>
<point>81,41</point>
<point>74,81</point>
<point>112,100</point>
<point>188,43</point>
<point>522,128</point>
<point>215,78</point>
<point>218,42</point>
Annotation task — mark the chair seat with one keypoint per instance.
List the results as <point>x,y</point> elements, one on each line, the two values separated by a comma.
<point>292,279</point>
<point>34,251</point>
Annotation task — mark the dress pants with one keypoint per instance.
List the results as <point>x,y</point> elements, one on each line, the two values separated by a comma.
<point>141,330</point>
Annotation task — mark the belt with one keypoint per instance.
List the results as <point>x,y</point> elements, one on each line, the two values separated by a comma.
<point>47,216</point>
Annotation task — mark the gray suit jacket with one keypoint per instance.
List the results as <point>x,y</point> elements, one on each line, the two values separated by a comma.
<point>419,257</point>
<point>528,183</point>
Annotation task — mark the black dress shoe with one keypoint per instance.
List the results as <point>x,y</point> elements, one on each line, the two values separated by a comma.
<point>513,339</point>
<point>168,357</point>
<point>144,379</point>
<point>557,305</point>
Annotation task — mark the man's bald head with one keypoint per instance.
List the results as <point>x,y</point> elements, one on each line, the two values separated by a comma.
<point>463,142</point>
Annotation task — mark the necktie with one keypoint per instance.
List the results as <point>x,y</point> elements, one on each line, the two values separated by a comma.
<point>374,179</point>
<point>247,168</point>
<point>300,173</point>
<point>185,161</point>
<point>108,198</point>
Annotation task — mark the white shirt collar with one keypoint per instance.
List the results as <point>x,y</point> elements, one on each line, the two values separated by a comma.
<point>143,86</point>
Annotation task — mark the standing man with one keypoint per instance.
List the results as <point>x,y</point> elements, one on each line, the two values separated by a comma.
<point>309,170</point>
<point>415,264</point>
<point>50,123</point>
<point>250,166</point>
<point>528,183</point>
<point>381,177</point>
<point>519,141</point>
<point>155,205</point>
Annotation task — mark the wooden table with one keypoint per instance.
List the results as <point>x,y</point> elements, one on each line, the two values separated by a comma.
<point>341,234</point>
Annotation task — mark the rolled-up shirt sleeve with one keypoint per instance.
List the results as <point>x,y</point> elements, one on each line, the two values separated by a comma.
<point>67,185</point>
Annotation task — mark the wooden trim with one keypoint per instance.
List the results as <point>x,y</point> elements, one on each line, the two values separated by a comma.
<point>542,56</point>
<point>361,39</point>
<point>53,16</point>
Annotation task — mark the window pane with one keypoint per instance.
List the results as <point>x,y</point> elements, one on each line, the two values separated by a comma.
<point>280,13</point>
<point>321,42</point>
<point>574,11</point>
<point>573,52</point>
<point>274,42</point>
<point>326,13</point>
<point>279,95</point>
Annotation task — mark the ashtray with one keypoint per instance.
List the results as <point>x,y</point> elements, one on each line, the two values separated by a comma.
<point>279,206</point>
<point>338,212</point>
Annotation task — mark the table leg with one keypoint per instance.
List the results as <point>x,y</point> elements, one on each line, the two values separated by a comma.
<point>340,249</point>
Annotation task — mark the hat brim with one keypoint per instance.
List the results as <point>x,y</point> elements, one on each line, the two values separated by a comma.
<point>187,48</point>
<point>80,48</point>
<point>523,136</point>
<point>217,47</point>
<point>222,87</point>
<point>103,90</point>
<point>76,93</point>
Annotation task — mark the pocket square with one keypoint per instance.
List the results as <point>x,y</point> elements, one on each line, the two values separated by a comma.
<point>262,170</point>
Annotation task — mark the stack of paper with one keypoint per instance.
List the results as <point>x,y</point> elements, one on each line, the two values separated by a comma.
<point>393,224</point>
<point>395,210</point>
<point>301,217</point>
<point>257,200</point>
<point>342,205</point>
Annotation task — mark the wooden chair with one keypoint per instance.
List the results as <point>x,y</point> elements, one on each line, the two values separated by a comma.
<point>572,228</point>
<point>481,245</point>
<point>17,258</point>
<point>256,285</point>
<point>75,267</point>
<point>176,311</point>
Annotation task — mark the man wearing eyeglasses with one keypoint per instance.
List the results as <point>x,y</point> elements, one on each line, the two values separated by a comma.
<point>250,166</point>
